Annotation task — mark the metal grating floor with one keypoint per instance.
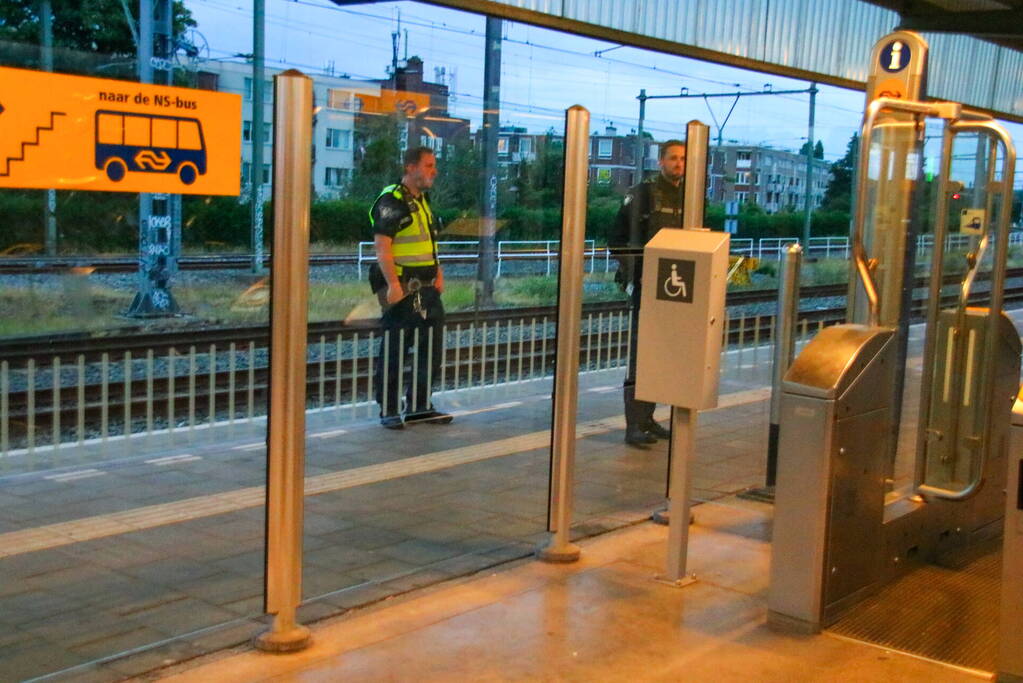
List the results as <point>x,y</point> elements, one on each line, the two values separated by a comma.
<point>947,613</point>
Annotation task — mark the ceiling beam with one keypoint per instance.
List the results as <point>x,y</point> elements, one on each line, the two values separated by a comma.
<point>991,24</point>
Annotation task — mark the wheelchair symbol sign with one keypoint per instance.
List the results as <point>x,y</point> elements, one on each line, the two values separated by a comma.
<point>675,280</point>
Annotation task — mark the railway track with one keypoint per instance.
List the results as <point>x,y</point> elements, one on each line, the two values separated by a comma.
<point>23,265</point>
<point>230,384</point>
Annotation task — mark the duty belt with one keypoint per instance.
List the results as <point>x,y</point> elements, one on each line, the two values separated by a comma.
<point>413,285</point>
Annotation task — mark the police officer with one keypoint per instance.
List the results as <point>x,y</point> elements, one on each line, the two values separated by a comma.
<point>408,281</point>
<point>649,206</point>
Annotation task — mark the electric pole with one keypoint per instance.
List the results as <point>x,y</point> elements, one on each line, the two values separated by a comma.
<point>488,200</point>
<point>256,170</point>
<point>808,197</point>
<point>157,212</point>
<point>640,146</point>
<point>50,210</point>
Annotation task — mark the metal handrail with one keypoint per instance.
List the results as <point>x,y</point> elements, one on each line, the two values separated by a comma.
<point>946,110</point>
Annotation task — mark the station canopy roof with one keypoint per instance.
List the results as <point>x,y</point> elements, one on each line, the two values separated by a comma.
<point>976,46</point>
<point>998,21</point>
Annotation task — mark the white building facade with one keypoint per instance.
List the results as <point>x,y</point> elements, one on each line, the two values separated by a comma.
<point>335,106</point>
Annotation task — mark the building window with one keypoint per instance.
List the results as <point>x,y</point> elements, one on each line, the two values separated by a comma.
<point>756,178</point>
<point>603,175</point>
<point>247,132</point>
<point>339,139</point>
<point>335,177</point>
<point>339,99</point>
<point>525,146</point>
<point>502,146</point>
<point>268,90</point>
<point>247,173</point>
<point>742,178</point>
<point>741,197</point>
<point>604,148</point>
<point>433,142</point>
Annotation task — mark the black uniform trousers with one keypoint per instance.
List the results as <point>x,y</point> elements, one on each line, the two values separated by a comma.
<point>411,349</point>
<point>637,413</point>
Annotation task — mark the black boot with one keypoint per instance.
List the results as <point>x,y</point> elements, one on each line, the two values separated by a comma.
<point>656,430</point>
<point>637,414</point>
<point>634,436</point>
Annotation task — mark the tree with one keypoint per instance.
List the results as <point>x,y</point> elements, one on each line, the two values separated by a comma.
<point>458,168</point>
<point>540,181</point>
<point>92,26</point>
<point>838,195</point>
<point>377,155</point>
<point>818,150</point>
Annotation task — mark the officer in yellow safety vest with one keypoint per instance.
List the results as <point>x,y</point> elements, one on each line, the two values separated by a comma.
<point>408,281</point>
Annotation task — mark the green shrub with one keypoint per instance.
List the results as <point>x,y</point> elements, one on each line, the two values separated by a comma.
<point>342,221</point>
<point>220,220</point>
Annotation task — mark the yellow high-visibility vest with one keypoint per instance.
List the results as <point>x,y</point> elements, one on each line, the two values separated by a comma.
<point>413,244</point>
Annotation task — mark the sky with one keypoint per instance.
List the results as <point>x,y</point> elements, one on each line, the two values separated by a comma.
<point>543,71</point>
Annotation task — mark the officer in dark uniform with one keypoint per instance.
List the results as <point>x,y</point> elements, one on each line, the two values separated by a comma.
<point>649,206</point>
<point>408,281</point>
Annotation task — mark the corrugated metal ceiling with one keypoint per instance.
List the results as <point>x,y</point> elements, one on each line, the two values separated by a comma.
<point>828,40</point>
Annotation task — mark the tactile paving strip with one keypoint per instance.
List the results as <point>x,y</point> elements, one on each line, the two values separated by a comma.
<point>946,613</point>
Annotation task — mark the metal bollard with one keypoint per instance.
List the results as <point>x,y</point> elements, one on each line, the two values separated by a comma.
<point>566,384</point>
<point>293,103</point>
<point>784,348</point>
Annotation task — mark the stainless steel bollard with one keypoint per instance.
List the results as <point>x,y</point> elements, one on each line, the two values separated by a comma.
<point>784,347</point>
<point>566,383</point>
<point>293,115</point>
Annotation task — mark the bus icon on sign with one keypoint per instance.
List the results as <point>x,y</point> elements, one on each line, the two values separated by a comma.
<point>149,143</point>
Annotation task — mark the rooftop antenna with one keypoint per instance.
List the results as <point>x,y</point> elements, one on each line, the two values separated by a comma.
<point>395,34</point>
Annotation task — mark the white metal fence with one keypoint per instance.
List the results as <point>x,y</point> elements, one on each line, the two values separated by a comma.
<point>98,401</point>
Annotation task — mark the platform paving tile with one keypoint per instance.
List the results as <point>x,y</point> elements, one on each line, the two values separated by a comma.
<point>21,663</point>
<point>104,645</point>
<point>92,624</point>
<point>182,616</point>
<point>417,551</point>
<point>30,606</point>
<point>364,537</point>
<point>341,558</point>
<point>223,588</point>
<point>172,571</point>
<point>248,563</point>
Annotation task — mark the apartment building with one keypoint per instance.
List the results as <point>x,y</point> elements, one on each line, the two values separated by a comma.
<point>337,99</point>
<point>771,178</point>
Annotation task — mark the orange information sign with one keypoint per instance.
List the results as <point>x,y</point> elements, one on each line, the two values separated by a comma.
<point>80,133</point>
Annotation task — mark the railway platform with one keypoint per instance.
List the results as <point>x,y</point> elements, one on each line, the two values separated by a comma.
<point>536,622</point>
<point>158,536</point>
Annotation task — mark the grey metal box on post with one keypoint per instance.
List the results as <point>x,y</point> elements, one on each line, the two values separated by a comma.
<point>1010,658</point>
<point>681,314</point>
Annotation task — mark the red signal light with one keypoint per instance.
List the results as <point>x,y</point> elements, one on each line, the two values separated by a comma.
<point>956,195</point>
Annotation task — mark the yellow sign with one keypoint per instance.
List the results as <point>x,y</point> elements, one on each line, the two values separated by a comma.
<point>79,133</point>
<point>971,221</point>
<point>391,101</point>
